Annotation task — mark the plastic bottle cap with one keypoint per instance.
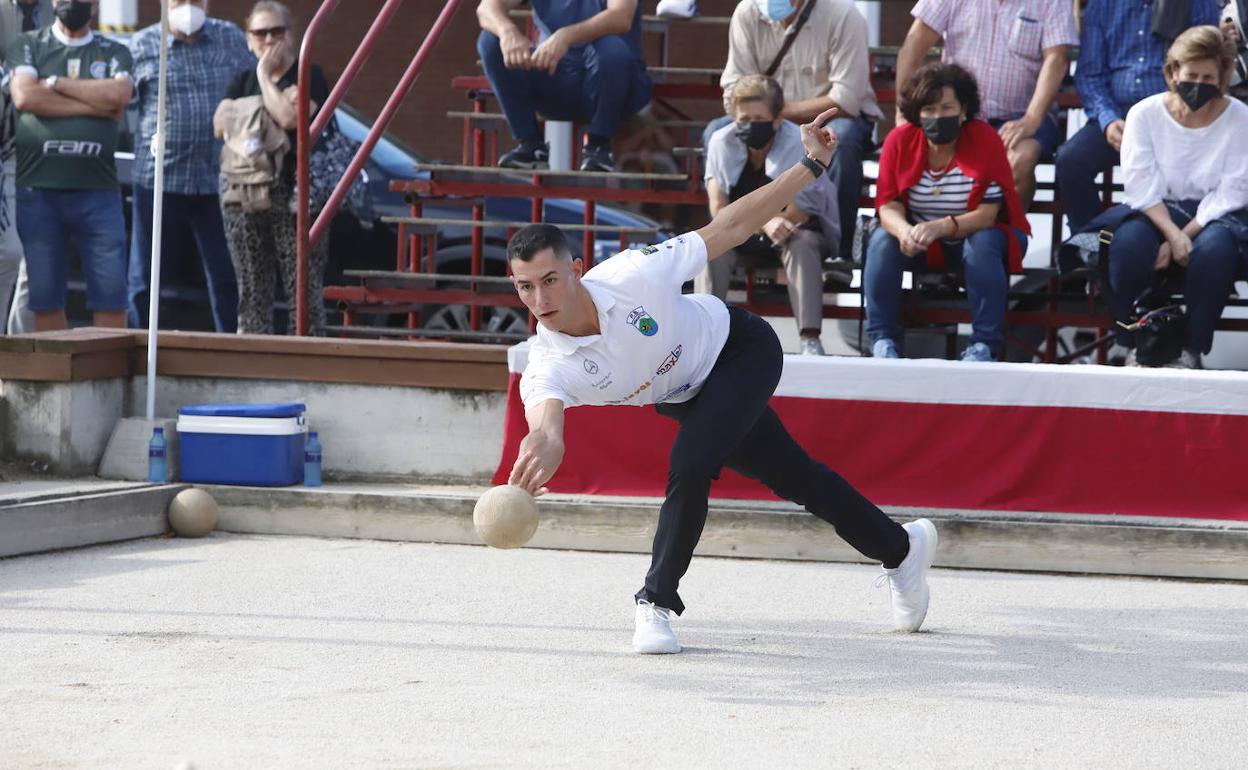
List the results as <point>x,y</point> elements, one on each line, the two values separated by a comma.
<point>311,434</point>
<point>160,431</point>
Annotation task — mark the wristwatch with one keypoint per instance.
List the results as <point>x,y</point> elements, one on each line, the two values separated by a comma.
<point>817,168</point>
<point>51,81</point>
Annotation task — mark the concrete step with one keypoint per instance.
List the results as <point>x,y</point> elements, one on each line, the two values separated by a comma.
<point>74,515</point>
<point>1004,540</point>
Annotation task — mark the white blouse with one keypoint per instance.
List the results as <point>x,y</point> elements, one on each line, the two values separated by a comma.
<point>1163,160</point>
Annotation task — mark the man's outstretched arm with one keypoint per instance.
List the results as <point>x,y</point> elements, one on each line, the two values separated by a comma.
<point>541,451</point>
<point>733,224</point>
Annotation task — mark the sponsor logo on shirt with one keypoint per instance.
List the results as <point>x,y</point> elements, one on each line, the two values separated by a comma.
<point>72,147</point>
<point>648,250</point>
<point>670,362</point>
<point>643,322</point>
<point>592,368</point>
<point>73,68</point>
<point>673,392</point>
<point>99,69</point>
<point>640,389</point>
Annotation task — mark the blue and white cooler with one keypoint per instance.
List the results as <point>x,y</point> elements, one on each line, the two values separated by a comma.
<point>245,444</point>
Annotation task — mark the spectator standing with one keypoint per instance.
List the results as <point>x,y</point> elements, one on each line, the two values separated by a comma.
<point>1185,171</point>
<point>1018,52</point>
<point>747,154</point>
<point>945,196</point>
<point>263,243</point>
<point>826,65</point>
<point>1121,53</point>
<point>204,55</point>
<point>16,17</point>
<point>588,68</point>
<point>70,88</point>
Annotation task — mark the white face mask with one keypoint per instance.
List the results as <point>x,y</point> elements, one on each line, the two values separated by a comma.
<point>187,18</point>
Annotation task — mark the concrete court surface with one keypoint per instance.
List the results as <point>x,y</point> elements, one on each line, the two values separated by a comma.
<point>285,652</point>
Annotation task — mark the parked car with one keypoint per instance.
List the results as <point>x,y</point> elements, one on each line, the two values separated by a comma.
<point>360,240</point>
<point>393,160</point>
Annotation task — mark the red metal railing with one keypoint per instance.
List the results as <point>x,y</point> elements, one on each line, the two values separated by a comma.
<point>307,131</point>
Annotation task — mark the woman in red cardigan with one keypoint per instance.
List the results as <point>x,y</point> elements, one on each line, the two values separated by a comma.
<point>945,198</point>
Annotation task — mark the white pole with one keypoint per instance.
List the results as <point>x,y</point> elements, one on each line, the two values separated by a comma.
<point>158,200</point>
<point>559,136</point>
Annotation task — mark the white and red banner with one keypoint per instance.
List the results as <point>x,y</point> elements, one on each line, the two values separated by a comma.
<point>945,434</point>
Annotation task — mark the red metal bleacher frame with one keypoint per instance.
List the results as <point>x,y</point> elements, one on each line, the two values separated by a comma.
<point>308,131</point>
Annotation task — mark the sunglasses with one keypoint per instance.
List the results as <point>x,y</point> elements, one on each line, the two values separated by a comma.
<point>267,32</point>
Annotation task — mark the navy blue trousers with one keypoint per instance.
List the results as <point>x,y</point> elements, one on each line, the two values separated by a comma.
<point>1079,160</point>
<point>729,424</point>
<point>1214,263</point>
<point>601,84</point>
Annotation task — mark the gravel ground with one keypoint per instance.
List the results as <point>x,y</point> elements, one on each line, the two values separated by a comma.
<point>268,652</point>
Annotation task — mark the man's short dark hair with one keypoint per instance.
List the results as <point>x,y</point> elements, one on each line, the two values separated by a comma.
<point>925,86</point>
<point>533,239</point>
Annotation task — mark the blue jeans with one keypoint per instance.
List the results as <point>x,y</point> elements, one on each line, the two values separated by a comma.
<point>982,256</point>
<point>853,143</point>
<point>1049,135</point>
<point>185,217</point>
<point>601,84</point>
<point>1079,160</point>
<point>1212,268</point>
<point>51,223</point>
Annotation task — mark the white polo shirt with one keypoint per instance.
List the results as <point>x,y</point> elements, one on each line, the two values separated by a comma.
<point>656,345</point>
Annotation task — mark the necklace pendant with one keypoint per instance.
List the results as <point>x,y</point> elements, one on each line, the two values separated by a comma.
<point>935,192</point>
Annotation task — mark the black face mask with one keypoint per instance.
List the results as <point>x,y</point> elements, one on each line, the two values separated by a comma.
<point>942,130</point>
<point>1196,95</point>
<point>75,14</point>
<point>756,134</point>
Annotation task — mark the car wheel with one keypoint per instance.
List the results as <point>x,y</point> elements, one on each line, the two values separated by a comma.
<point>507,322</point>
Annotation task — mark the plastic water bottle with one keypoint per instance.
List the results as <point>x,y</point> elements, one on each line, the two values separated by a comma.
<point>157,464</point>
<point>312,461</point>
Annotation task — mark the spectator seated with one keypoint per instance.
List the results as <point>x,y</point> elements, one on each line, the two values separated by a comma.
<point>745,155</point>
<point>945,196</point>
<point>588,67</point>
<point>1186,185</point>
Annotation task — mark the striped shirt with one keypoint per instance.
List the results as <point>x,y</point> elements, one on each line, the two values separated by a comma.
<point>937,195</point>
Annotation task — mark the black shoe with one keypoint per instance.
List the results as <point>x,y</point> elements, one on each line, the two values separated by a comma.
<point>525,155</point>
<point>594,158</point>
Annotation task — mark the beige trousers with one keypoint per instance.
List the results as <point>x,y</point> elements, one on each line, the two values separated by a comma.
<point>803,267</point>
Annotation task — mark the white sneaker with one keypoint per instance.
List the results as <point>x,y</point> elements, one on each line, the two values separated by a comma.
<point>654,630</point>
<point>908,583</point>
<point>884,348</point>
<point>811,346</point>
<point>677,9</point>
<point>978,353</point>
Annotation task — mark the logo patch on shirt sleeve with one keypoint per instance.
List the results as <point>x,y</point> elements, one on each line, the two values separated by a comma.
<point>643,322</point>
<point>648,250</point>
